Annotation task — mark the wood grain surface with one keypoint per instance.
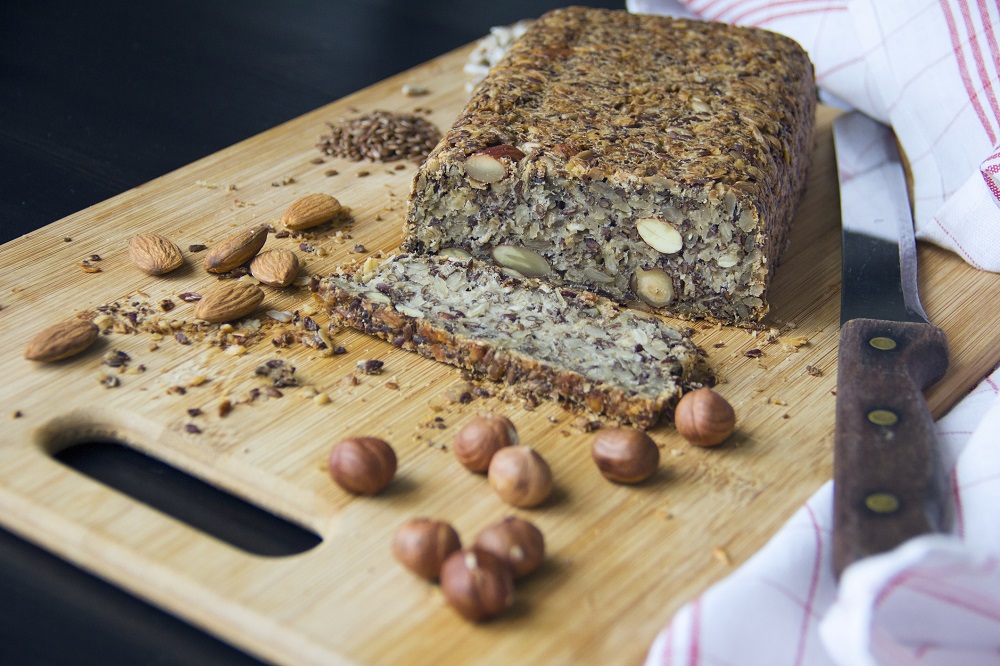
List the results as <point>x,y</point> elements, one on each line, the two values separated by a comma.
<point>621,560</point>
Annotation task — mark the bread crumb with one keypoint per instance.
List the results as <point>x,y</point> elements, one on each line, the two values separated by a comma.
<point>414,90</point>
<point>722,556</point>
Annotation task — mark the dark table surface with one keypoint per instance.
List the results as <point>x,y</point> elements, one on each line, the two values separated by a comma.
<point>98,97</point>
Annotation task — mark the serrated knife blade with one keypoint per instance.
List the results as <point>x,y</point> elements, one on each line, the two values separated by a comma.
<point>888,482</point>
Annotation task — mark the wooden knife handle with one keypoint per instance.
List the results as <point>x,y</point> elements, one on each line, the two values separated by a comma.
<point>889,484</point>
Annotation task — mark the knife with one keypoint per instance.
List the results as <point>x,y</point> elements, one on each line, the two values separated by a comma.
<point>889,485</point>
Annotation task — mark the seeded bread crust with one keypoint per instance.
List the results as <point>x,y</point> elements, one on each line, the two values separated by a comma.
<point>601,119</point>
<point>542,341</point>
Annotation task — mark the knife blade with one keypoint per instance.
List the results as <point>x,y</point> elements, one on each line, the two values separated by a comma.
<point>889,484</point>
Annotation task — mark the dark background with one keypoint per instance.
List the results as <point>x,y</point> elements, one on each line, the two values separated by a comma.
<point>98,97</point>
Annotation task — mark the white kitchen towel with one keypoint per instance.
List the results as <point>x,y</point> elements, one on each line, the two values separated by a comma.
<point>934,600</point>
<point>928,68</point>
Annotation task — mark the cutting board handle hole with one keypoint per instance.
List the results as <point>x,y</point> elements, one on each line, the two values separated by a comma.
<point>187,498</point>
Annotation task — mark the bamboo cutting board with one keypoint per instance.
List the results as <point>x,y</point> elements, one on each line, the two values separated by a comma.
<point>621,560</point>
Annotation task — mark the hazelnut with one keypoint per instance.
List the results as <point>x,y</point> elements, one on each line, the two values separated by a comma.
<point>520,476</point>
<point>477,584</point>
<point>362,465</point>
<point>704,418</point>
<point>422,545</point>
<point>517,542</point>
<point>624,455</point>
<point>654,287</point>
<point>480,438</point>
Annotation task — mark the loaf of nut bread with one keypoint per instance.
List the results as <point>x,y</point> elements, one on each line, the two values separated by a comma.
<point>541,340</point>
<point>636,156</point>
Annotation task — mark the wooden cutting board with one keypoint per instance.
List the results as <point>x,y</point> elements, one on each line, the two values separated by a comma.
<point>621,560</point>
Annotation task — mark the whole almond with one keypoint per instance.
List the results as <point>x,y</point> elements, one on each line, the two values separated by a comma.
<point>236,250</point>
<point>63,340</point>
<point>310,211</point>
<point>228,301</point>
<point>275,268</point>
<point>487,166</point>
<point>154,254</point>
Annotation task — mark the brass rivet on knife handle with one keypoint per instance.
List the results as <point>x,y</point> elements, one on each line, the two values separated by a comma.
<point>882,343</point>
<point>883,417</point>
<point>882,503</point>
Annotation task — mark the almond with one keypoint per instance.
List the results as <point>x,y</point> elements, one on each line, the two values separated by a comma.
<point>236,250</point>
<point>154,254</point>
<point>275,268</point>
<point>486,165</point>
<point>310,211</point>
<point>659,235</point>
<point>61,341</point>
<point>228,301</point>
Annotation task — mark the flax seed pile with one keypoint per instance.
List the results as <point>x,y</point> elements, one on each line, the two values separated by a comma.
<point>381,136</point>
